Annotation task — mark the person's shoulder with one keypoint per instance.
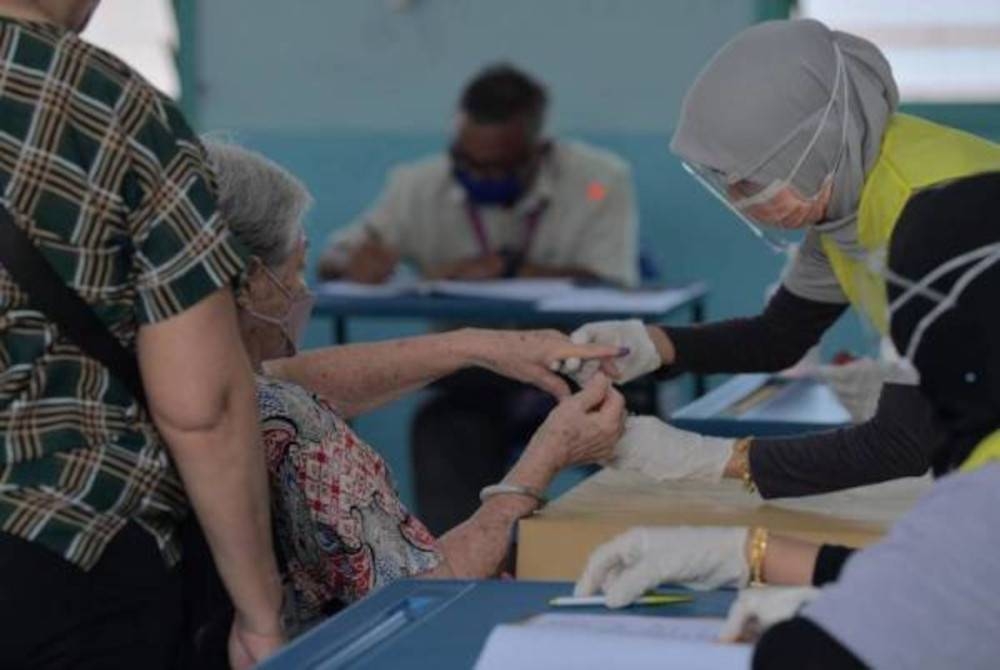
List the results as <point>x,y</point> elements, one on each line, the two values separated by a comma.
<point>577,158</point>
<point>425,180</point>
<point>953,508</point>
<point>278,399</point>
<point>109,81</point>
<point>426,172</point>
<point>966,489</point>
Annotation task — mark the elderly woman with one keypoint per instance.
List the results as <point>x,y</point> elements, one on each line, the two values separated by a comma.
<point>794,126</point>
<point>340,525</point>
<point>928,594</point>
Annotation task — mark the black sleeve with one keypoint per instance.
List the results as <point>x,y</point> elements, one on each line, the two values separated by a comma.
<point>776,339</point>
<point>829,562</point>
<point>897,442</point>
<point>799,644</point>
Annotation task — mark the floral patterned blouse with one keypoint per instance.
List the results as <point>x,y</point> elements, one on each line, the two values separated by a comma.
<point>340,527</point>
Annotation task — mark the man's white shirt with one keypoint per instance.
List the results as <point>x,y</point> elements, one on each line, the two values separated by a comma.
<point>588,223</point>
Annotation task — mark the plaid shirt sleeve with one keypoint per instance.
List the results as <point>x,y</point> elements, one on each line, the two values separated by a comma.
<point>183,249</point>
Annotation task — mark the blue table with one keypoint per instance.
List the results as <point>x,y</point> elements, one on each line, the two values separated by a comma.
<point>443,624</point>
<point>763,405</point>
<point>339,309</point>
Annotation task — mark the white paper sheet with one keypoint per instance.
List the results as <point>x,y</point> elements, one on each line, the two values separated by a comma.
<point>528,290</point>
<point>612,300</point>
<point>600,642</point>
<point>350,289</point>
<point>690,629</point>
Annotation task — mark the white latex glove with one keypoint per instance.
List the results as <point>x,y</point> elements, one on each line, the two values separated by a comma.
<point>757,609</point>
<point>641,357</point>
<point>857,385</point>
<point>642,558</point>
<point>663,452</point>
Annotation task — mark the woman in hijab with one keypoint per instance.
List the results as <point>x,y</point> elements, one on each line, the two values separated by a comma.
<point>927,595</point>
<point>794,127</point>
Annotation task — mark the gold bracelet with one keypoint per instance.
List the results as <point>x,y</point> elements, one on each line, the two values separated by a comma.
<point>758,550</point>
<point>742,451</point>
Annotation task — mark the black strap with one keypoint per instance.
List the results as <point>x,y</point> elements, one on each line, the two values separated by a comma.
<point>49,294</point>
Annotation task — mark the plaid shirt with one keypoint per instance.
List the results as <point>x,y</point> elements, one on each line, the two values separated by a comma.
<point>108,180</point>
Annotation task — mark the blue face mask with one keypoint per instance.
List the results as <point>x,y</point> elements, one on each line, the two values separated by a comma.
<point>502,192</point>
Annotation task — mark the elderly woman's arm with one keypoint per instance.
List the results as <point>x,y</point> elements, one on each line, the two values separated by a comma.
<point>582,429</point>
<point>359,377</point>
<point>338,519</point>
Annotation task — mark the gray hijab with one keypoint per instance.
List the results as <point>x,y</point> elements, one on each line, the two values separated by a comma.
<point>754,108</point>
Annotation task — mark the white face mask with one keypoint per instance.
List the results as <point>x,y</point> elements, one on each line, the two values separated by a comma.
<point>292,323</point>
<point>749,201</point>
<point>981,260</point>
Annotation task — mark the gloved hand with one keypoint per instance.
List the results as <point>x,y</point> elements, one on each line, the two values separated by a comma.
<point>663,452</point>
<point>857,385</point>
<point>642,356</point>
<point>757,609</point>
<point>642,558</point>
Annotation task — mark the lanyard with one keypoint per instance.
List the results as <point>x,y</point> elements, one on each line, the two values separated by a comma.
<point>530,223</point>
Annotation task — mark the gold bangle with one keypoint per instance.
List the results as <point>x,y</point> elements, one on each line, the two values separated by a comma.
<point>742,452</point>
<point>758,550</point>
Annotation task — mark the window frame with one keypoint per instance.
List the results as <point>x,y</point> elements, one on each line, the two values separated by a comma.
<point>980,118</point>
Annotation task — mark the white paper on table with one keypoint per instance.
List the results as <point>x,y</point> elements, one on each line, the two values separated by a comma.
<point>527,290</point>
<point>350,289</point>
<point>612,300</point>
<point>599,642</point>
<point>692,629</point>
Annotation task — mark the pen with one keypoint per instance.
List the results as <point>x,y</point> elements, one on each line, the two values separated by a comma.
<point>597,601</point>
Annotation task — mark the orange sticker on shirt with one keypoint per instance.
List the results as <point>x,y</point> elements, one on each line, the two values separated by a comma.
<point>596,191</point>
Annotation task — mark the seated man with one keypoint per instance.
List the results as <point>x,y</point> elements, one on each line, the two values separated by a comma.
<point>504,202</point>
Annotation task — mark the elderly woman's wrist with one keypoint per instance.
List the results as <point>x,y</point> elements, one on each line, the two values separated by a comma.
<point>467,345</point>
<point>505,509</point>
<point>535,468</point>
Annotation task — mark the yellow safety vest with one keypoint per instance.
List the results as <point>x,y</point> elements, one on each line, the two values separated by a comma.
<point>915,154</point>
<point>986,452</point>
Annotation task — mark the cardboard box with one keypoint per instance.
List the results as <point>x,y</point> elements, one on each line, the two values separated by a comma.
<point>555,543</point>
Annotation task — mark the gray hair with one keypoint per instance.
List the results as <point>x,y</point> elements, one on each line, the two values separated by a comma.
<point>262,202</point>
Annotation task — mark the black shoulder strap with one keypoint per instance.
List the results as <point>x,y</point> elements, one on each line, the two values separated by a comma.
<point>50,295</point>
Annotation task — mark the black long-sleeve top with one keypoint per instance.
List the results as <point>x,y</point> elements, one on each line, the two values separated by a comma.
<point>896,442</point>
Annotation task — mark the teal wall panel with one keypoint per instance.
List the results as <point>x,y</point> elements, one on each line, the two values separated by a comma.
<point>340,91</point>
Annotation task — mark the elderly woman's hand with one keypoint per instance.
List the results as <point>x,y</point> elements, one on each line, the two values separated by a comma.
<point>583,428</point>
<point>530,355</point>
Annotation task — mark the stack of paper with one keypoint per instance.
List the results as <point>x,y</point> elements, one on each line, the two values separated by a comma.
<point>350,289</point>
<point>548,295</point>
<point>528,290</point>
<point>613,300</point>
<point>599,642</point>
